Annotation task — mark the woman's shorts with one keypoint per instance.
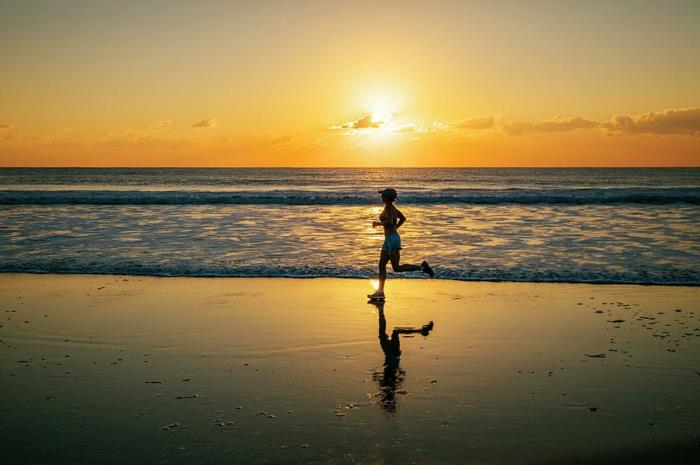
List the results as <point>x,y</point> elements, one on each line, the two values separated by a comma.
<point>392,243</point>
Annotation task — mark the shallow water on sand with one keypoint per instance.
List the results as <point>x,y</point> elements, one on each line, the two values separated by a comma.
<point>107,369</point>
<point>645,244</point>
<point>545,225</point>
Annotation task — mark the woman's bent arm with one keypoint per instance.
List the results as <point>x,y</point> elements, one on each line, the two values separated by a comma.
<point>402,218</point>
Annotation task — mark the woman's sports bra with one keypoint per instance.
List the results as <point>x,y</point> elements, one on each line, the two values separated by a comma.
<point>382,217</point>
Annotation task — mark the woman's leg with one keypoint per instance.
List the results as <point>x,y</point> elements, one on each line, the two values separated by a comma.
<point>383,260</point>
<point>398,267</point>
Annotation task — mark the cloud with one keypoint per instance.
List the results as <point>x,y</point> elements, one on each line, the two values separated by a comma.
<point>161,125</point>
<point>468,124</point>
<point>364,122</point>
<point>409,127</point>
<point>154,135</point>
<point>140,139</point>
<point>385,122</point>
<point>558,124</point>
<point>678,121</point>
<point>683,121</point>
<point>205,123</point>
<point>5,126</point>
<point>482,122</point>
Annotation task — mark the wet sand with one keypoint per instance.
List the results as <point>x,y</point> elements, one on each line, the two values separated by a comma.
<point>135,370</point>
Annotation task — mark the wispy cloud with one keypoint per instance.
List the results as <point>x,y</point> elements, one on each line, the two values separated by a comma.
<point>161,125</point>
<point>140,139</point>
<point>476,123</point>
<point>368,123</point>
<point>363,122</point>
<point>683,121</point>
<point>156,134</point>
<point>5,126</point>
<point>558,124</point>
<point>205,123</point>
<point>679,121</point>
<point>409,127</point>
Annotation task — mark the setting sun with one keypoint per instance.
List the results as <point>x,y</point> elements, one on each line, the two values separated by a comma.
<point>381,111</point>
<point>381,118</point>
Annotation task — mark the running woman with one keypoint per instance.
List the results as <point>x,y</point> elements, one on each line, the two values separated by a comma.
<point>392,219</point>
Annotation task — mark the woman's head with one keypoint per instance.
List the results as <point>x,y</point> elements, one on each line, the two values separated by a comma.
<point>388,195</point>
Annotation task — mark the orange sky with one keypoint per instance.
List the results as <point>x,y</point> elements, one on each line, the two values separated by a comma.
<point>501,83</point>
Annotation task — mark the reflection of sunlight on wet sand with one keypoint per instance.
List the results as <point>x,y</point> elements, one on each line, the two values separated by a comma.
<point>504,356</point>
<point>374,283</point>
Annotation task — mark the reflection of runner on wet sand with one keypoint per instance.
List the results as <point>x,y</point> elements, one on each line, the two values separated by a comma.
<point>392,376</point>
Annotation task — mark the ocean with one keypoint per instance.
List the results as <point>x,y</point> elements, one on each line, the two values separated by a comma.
<point>589,225</point>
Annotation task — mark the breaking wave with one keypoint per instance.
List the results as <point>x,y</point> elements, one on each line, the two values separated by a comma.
<point>598,196</point>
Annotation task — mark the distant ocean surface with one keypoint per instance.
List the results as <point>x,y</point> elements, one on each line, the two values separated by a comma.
<point>550,225</point>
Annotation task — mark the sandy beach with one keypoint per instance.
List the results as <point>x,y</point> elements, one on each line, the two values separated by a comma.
<point>128,369</point>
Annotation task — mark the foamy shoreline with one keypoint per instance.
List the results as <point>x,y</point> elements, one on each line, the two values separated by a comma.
<point>392,277</point>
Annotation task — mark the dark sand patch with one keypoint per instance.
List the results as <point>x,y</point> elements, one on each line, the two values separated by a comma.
<point>511,373</point>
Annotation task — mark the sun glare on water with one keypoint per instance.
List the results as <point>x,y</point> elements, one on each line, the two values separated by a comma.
<point>374,283</point>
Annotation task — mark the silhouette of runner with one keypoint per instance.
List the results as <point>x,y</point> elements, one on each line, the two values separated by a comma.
<point>392,219</point>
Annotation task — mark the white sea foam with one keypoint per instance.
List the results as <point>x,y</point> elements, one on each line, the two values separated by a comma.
<point>347,196</point>
<point>638,229</point>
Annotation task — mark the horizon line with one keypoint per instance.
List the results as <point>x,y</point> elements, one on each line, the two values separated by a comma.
<point>356,167</point>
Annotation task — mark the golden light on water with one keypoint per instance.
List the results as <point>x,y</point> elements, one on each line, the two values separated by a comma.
<point>374,283</point>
